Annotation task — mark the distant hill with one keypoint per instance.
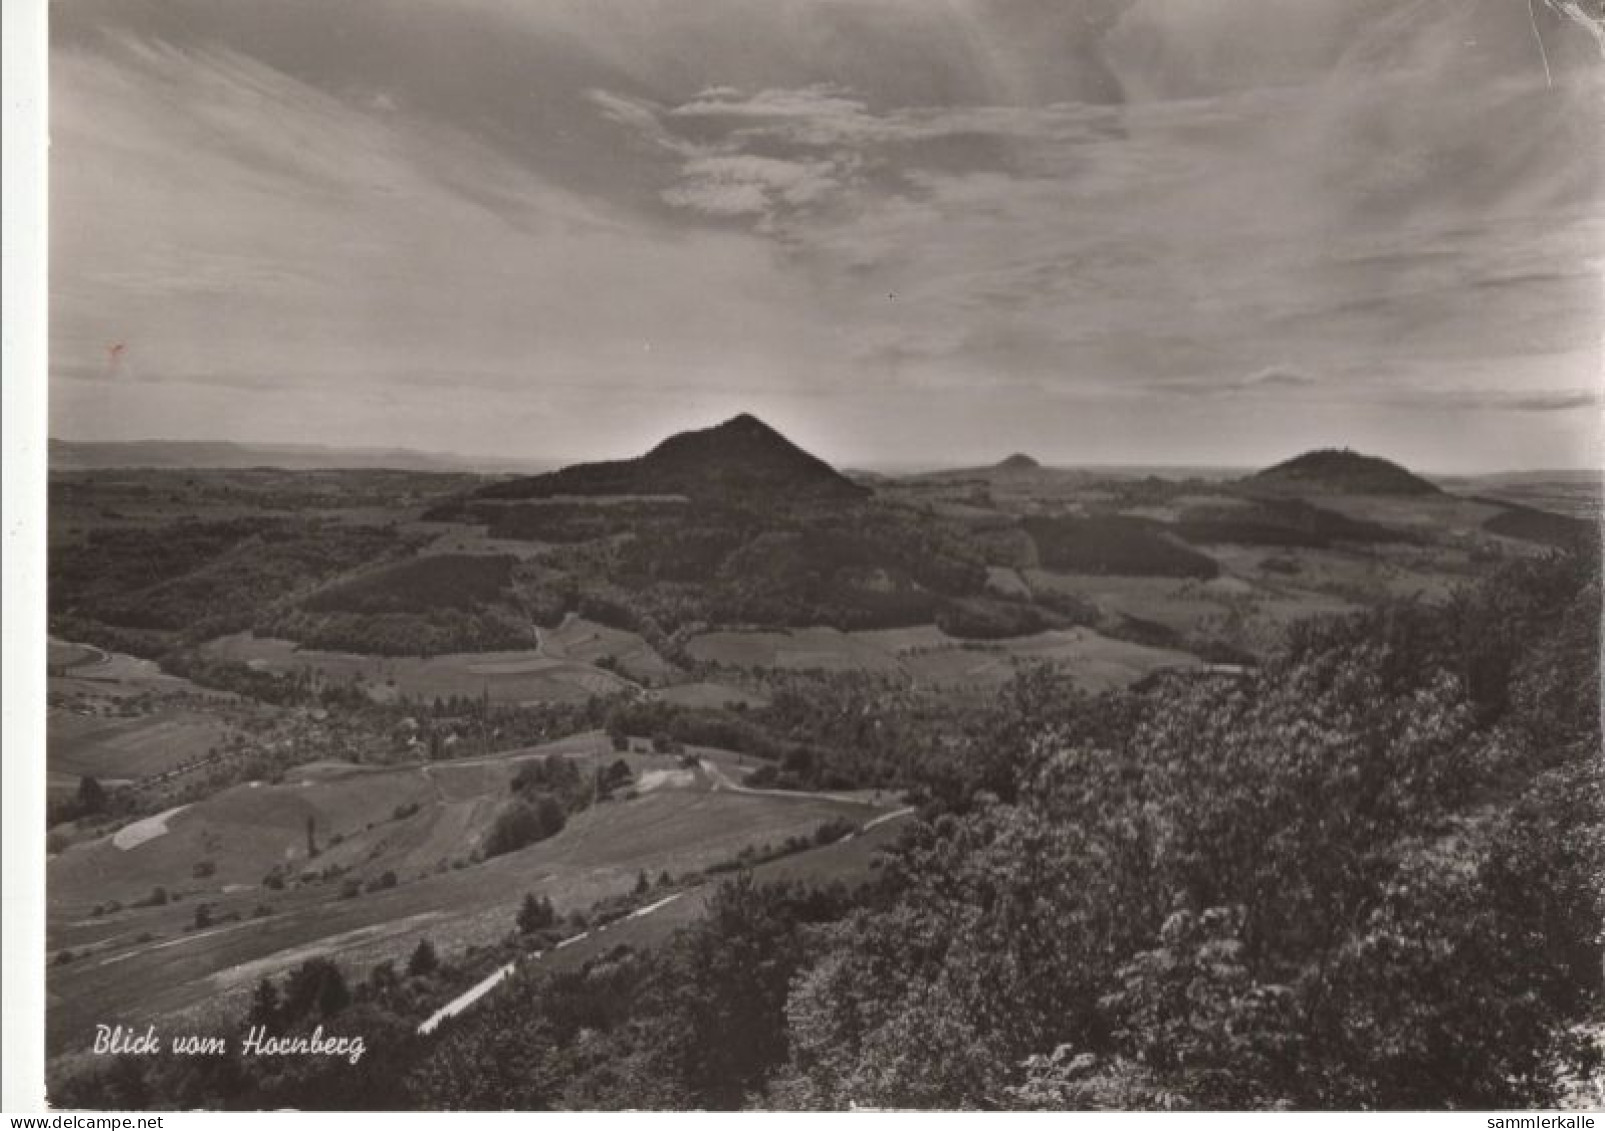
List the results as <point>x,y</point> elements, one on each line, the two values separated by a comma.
<point>1063,473</point>
<point>742,457</point>
<point>1341,471</point>
<point>72,455</point>
<point>1576,494</point>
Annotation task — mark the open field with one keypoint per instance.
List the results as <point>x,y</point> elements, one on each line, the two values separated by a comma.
<point>459,538</point>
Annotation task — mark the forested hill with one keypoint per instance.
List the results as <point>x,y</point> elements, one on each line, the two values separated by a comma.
<point>1364,876</point>
<point>1341,471</point>
<point>742,457</point>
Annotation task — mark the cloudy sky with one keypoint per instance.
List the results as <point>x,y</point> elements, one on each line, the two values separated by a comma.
<point>902,231</point>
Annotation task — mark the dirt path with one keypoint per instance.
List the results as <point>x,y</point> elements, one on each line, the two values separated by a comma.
<point>457,1004</point>
<point>882,819</point>
<point>138,832</point>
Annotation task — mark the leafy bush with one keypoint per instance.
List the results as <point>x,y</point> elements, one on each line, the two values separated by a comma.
<point>430,581</point>
<point>522,823</point>
<point>980,618</point>
<point>1533,525</point>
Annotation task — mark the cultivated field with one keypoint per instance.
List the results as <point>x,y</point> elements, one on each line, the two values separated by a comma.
<point>118,718</point>
<point>529,676</point>
<point>129,748</point>
<point>708,695</point>
<point>1575,493</point>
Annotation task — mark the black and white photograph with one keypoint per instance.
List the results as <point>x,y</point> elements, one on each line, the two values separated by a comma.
<point>816,555</point>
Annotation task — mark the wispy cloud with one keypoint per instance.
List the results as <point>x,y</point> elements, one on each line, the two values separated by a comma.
<point>749,185</point>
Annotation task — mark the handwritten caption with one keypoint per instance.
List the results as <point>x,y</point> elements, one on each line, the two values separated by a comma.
<point>117,1040</point>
